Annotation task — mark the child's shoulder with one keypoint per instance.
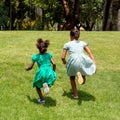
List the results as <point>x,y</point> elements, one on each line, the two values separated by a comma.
<point>84,43</point>
<point>49,53</point>
<point>35,55</point>
<point>69,42</point>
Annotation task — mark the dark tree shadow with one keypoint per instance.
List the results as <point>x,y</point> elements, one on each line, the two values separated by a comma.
<point>83,96</point>
<point>49,102</point>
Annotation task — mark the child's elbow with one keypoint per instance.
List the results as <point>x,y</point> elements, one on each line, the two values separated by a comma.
<point>54,64</point>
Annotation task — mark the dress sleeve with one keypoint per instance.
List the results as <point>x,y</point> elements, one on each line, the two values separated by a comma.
<point>85,44</point>
<point>34,58</point>
<point>50,55</point>
<point>65,47</point>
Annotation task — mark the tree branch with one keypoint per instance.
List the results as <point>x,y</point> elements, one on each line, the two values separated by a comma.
<point>66,7</point>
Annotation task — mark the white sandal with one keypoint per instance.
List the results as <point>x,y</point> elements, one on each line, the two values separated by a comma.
<point>75,97</point>
<point>46,88</point>
<point>41,101</point>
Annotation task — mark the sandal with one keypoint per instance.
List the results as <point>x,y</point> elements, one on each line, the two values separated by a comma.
<point>46,88</point>
<point>41,101</point>
<point>75,97</point>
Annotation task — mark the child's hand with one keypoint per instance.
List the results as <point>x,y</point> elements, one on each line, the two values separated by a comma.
<point>30,66</point>
<point>26,68</point>
<point>64,62</point>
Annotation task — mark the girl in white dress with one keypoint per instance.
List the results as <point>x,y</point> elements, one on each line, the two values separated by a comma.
<point>78,63</point>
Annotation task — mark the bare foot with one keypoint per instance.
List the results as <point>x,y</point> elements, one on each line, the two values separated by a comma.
<point>80,78</point>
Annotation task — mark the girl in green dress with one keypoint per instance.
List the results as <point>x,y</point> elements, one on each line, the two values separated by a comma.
<point>45,74</point>
<point>78,63</point>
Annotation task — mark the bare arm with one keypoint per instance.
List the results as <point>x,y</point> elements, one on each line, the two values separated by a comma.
<point>64,53</point>
<point>54,65</point>
<point>87,49</point>
<point>30,66</point>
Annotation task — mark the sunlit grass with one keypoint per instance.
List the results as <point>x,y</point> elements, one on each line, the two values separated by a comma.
<point>98,98</point>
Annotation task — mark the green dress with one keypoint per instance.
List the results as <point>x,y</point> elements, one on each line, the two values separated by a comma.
<point>44,73</point>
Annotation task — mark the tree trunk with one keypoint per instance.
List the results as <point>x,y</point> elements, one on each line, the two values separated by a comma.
<point>20,14</point>
<point>72,18</point>
<point>66,7</point>
<point>106,19</point>
<point>118,25</point>
<point>115,14</point>
<point>12,15</point>
<point>69,24</point>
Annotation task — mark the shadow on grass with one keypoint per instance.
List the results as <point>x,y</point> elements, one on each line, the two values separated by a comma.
<point>83,96</point>
<point>49,101</point>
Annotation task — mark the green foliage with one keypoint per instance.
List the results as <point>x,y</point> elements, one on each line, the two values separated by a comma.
<point>98,98</point>
<point>4,18</point>
<point>51,8</point>
<point>52,12</point>
<point>39,25</point>
<point>91,11</point>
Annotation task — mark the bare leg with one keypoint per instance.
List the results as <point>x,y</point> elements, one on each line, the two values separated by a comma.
<point>84,77</point>
<point>73,85</point>
<point>39,93</point>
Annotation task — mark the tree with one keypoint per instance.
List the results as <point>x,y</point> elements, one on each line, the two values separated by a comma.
<point>12,12</point>
<point>111,12</point>
<point>84,12</point>
<point>3,16</point>
<point>118,24</point>
<point>72,9</point>
<point>21,11</point>
<point>51,13</point>
<point>90,13</point>
<point>21,14</point>
<point>115,13</point>
<point>106,17</point>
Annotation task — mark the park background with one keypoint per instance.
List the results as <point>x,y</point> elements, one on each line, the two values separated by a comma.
<point>22,22</point>
<point>90,15</point>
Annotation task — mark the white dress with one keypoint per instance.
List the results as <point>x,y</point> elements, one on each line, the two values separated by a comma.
<point>78,61</point>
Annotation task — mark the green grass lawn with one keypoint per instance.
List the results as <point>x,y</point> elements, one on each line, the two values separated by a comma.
<point>99,98</point>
